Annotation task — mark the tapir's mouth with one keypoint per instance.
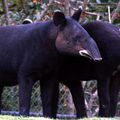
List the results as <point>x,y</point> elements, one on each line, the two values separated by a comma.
<point>85,53</point>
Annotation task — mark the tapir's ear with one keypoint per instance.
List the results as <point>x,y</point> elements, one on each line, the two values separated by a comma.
<point>59,18</point>
<point>77,14</point>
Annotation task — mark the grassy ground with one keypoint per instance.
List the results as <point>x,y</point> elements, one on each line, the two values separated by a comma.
<point>6,117</point>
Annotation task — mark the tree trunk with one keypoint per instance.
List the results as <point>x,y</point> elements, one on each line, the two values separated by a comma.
<point>19,4</point>
<point>22,5</point>
<point>116,14</point>
<point>85,2</point>
<point>5,8</point>
<point>67,7</point>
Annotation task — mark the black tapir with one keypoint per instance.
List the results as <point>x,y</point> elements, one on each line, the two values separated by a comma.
<point>107,37</point>
<point>72,77</point>
<point>34,52</point>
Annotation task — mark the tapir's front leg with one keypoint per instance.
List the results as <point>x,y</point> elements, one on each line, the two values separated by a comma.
<point>25,89</point>
<point>49,95</point>
<point>78,97</point>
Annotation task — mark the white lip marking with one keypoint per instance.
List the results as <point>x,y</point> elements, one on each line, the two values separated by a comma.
<point>85,54</point>
<point>82,52</point>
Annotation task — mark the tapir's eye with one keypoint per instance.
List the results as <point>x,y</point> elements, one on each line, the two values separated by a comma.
<point>81,38</point>
<point>77,37</point>
<point>84,40</point>
<point>74,39</point>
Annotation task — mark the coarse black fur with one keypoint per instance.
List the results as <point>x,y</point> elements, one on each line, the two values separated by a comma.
<point>34,52</point>
<point>74,70</point>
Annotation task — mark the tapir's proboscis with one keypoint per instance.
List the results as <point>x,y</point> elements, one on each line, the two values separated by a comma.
<point>35,51</point>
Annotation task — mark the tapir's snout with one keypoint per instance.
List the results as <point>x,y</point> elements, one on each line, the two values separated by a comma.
<point>97,59</point>
<point>85,53</point>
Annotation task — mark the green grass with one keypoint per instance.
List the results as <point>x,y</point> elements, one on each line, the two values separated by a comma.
<point>6,117</point>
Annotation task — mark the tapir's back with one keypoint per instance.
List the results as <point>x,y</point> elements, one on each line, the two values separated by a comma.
<point>107,37</point>
<point>103,31</point>
<point>14,42</point>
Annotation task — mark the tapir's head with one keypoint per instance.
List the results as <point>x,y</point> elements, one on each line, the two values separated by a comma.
<point>73,39</point>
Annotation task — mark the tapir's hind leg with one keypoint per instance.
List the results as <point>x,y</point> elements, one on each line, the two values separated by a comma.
<point>25,89</point>
<point>1,90</point>
<point>114,91</point>
<point>104,99</point>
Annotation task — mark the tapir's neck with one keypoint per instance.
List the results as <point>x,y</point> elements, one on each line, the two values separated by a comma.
<point>52,30</point>
<point>48,33</point>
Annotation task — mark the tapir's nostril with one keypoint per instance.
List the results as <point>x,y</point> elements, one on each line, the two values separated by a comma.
<point>97,59</point>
